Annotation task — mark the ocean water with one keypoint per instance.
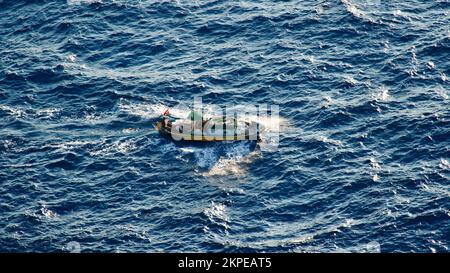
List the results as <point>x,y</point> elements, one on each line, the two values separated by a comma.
<point>363,161</point>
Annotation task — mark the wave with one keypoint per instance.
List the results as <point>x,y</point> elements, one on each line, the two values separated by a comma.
<point>356,12</point>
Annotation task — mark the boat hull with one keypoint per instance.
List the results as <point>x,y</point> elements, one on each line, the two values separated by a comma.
<point>166,132</point>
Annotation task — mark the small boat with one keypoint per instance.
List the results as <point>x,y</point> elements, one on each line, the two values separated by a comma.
<point>210,130</point>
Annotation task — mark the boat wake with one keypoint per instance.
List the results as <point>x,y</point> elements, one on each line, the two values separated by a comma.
<point>221,159</point>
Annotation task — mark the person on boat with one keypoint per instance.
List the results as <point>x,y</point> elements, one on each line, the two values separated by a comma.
<point>166,123</point>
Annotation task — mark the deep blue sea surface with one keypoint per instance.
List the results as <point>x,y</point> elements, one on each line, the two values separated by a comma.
<point>363,162</point>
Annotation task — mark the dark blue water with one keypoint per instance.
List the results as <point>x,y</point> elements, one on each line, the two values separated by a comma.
<point>363,162</point>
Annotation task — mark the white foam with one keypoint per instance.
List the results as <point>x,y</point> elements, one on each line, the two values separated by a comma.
<point>352,8</point>
<point>47,212</point>
<point>7,144</point>
<point>444,164</point>
<point>145,110</point>
<point>118,146</point>
<point>355,11</point>
<point>350,80</point>
<point>16,112</point>
<point>205,157</point>
<point>217,213</point>
<point>329,140</point>
<point>374,163</point>
<point>179,111</point>
<point>48,112</point>
<point>382,94</point>
<point>442,93</point>
<point>225,167</point>
<point>79,2</point>
<point>371,247</point>
<point>93,118</point>
<point>375,178</point>
<point>130,130</point>
<point>235,162</point>
<point>71,58</point>
<point>187,150</point>
<point>68,146</point>
<point>142,74</point>
<point>400,14</point>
